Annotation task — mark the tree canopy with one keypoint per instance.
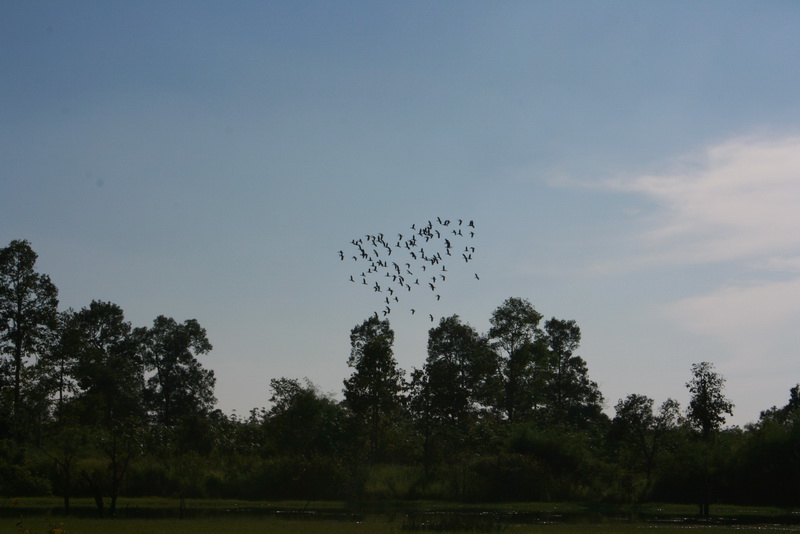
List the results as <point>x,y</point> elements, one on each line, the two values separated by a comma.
<point>91,405</point>
<point>28,306</point>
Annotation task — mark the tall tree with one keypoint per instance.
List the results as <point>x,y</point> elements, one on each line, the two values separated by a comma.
<point>57,364</point>
<point>459,378</point>
<point>515,331</point>
<point>108,367</point>
<point>571,397</point>
<point>373,390</point>
<point>104,359</point>
<point>28,303</point>
<point>462,369</point>
<point>179,385</point>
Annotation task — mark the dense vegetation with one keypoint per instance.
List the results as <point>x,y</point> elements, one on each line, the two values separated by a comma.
<point>93,406</point>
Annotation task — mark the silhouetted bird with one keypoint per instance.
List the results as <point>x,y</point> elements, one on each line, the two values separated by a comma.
<point>438,243</point>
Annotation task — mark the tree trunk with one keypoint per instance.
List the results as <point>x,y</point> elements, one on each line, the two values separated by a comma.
<point>97,493</point>
<point>16,422</point>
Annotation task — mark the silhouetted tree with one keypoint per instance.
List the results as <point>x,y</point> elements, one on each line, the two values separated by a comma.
<point>458,380</point>
<point>769,467</point>
<point>302,420</point>
<point>642,432</point>
<point>373,390</point>
<point>708,404</point>
<point>571,397</point>
<point>97,359</point>
<point>706,413</point>
<point>785,413</point>
<point>179,385</point>
<point>28,302</point>
<point>462,369</point>
<point>108,366</point>
<point>515,331</point>
<point>57,364</point>
<point>62,444</point>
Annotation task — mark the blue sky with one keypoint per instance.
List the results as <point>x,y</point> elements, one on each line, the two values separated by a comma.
<point>634,166</point>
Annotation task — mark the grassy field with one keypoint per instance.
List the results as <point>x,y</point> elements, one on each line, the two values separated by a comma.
<point>42,516</point>
<point>276,526</point>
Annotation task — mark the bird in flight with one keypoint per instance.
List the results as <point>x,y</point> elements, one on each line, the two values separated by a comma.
<point>438,241</point>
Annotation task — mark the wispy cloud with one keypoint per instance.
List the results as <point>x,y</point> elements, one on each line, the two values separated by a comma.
<point>737,204</point>
<point>737,200</point>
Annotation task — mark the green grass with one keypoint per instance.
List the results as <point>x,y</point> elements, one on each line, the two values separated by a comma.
<point>273,525</point>
<point>205,526</point>
<point>33,516</point>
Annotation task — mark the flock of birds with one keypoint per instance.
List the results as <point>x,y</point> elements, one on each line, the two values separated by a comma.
<point>416,260</point>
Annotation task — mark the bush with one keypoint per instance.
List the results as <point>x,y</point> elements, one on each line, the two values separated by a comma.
<point>18,481</point>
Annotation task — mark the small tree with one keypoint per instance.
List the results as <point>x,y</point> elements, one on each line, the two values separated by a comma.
<point>707,408</point>
<point>708,404</point>
<point>642,433</point>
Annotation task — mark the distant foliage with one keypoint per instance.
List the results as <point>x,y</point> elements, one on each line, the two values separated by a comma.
<point>93,406</point>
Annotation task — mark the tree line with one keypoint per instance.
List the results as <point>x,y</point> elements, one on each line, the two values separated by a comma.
<point>92,406</point>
